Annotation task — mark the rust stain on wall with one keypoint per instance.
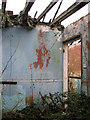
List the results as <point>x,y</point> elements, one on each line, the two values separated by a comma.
<point>89,24</point>
<point>88,44</point>
<point>26,100</point>
<point>43,54</point>
<point>30,66</point>
<point>86,36</point>
<point>48,61</point>
<point>29,100</point>
<point>40,34</point>
<point>39,59</point>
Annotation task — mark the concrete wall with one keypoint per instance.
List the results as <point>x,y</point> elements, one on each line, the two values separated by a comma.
<point>82,28</point>
<point>33,58</point>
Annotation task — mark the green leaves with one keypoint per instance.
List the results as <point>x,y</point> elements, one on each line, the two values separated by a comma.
<point>5,19</point>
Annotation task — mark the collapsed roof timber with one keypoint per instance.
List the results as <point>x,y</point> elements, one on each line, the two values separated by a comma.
<point>25,20</point>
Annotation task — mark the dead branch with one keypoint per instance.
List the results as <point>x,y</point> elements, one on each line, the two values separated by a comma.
<point>43,98</point>
<point>9,60</point>
<point>51,97</point>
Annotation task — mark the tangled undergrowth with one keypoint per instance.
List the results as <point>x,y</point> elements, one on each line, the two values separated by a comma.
<point>66,106</point>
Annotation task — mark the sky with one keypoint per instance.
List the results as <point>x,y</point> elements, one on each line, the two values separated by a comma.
<point>17,5</point>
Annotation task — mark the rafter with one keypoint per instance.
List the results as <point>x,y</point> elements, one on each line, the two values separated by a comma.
<point>72,9</point>
<point>4,5</point>
<point>28,5</point>
<point>58,9</point>
<point>52,3</point>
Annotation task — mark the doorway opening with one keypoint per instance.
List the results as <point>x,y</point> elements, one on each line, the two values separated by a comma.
<point>74,66</point>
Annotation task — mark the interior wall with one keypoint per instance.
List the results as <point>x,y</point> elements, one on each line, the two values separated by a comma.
<point>33,58</point>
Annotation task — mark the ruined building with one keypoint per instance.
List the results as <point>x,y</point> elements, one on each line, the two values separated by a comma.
<point>42,57</point>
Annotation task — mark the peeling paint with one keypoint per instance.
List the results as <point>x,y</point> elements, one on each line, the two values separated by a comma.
<point>32,65</point>
<point>29,100</point>
<point>43,54</point>
<point>81,27</point>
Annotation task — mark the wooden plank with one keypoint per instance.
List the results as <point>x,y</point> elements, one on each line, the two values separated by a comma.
<point>52,3</point>
<point>28,6</point>
<point>57,9</point>
<point>4,5</point>
<point>72,9</point>
<point>8,82</point>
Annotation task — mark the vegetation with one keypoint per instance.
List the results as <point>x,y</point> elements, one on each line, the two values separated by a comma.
<point>5,20</point>
<point>66,106</point>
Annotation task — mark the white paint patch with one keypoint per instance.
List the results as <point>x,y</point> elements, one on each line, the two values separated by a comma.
<point>43,28</point>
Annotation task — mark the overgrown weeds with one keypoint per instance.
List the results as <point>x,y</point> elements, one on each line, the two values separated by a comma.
<point>66,106</point>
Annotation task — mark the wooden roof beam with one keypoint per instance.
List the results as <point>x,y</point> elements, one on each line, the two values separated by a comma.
<point>52,3</point>
<point>28,5</point>
<point>72,9</point>
<point>23,18</point>
<point>3,5</point>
